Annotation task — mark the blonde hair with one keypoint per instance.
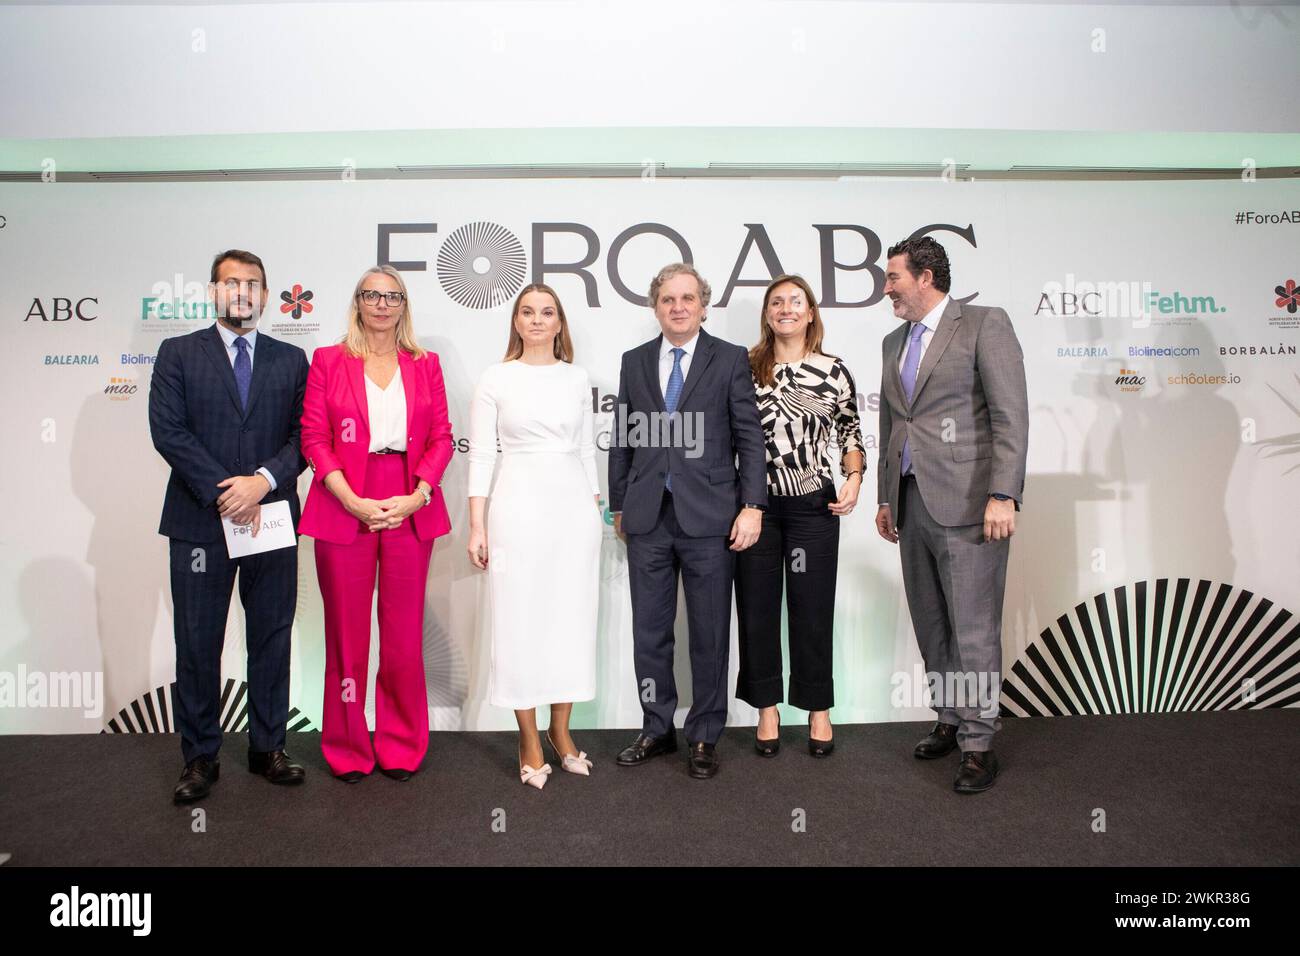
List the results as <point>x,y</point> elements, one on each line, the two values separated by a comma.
<point>762,357</point>
<point>561,345</point>
<point>354,340</point>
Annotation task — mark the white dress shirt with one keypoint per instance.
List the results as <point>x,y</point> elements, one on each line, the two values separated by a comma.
<point>387,407</point>
<point>232,350</point>
<point>666,360</point>
<point>931,323</point>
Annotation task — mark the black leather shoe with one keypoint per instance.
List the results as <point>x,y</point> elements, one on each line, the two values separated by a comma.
<point>397,773</point>
<point>704,761</point>
<point>275,766</point>
<point>978,771</point>
<point>769,748</point>
<point>819,748</point>
<point>351,776</point>
<point>197,780</point>
<point>942,740</point>
<point>645,747</point>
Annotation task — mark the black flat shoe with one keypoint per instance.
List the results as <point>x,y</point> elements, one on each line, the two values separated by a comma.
<point>196,780</point>
<point>819,748</point>
<point>703,762</point>
<point>939,742</point>
<point>275,766</point>
<point>977,772</point>
<point>352,776</point>
<point>645,747</point>
<point>769,748</point>
<point>397,773</point>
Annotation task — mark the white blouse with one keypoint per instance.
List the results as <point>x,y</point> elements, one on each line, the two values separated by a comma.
<point>387,413</point>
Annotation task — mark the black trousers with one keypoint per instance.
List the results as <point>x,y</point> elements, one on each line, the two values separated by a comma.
<point>800,542</point>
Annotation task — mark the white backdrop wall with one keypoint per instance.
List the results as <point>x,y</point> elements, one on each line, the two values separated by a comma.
<point>1165,416</point>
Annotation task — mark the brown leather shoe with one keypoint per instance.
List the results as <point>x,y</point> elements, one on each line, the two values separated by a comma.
<point>275,766</point>
<point>196,780</point>
<point>978,771</point>
<point>940,741</point>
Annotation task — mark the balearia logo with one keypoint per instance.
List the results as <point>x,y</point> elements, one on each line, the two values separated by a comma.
<point>120,388</point>
<point>1179,309</point>
<point>1082,352</point>
<point>1286,298</point>
<point>77,358</point>
<point>63,309</point>
<point>1130,380</point>
<point>482,265</point>
<point>75,908</point>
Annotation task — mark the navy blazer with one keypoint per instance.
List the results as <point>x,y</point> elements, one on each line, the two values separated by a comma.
<point>730,468</point>
<point>199,428</point>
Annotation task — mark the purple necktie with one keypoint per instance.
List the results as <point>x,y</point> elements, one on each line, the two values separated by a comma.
<point>243,370</point>
<point>910,366</point>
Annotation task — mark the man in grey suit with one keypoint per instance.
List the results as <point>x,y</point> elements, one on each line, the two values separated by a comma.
<point>687,486</point>
<point>954,428</point>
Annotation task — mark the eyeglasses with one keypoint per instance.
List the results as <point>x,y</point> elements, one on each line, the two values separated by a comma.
<point>371,297</point>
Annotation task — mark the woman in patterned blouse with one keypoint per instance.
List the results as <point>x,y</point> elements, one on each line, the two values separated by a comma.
<point>806,398</point>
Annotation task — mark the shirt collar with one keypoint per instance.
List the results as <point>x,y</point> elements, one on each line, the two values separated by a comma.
<point>228,337</point>
<point>931,320</point>
<point>666,347</point>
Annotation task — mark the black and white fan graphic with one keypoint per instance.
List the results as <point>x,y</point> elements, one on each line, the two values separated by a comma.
<point>152,713</point>
<point>481,265</point>
<point>1160,646</point>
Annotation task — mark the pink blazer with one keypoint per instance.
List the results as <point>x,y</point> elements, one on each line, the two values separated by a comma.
<point>335,408</point>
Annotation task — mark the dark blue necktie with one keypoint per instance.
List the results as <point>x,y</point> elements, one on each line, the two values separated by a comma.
<point>243,370</point>
<point>911,364</point>
<point>673,393</point>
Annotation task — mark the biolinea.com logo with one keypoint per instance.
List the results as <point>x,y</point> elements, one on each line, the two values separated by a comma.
<point>75,908</point>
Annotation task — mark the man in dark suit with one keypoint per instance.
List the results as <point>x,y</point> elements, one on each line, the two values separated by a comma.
<point>225,412</point>
<point>686,413</point>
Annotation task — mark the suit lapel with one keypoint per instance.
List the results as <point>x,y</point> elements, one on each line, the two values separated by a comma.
<point>895,358</point>
<point>215,348</point>
<point>407,367</point>
<point>942,336</point>
<point>356,373</point>
<point>650,363</point>
<point>699,362</point>
<point>263,368</point>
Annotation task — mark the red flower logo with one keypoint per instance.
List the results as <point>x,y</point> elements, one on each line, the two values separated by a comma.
<point>1288,296</point>
<point>297,301</point>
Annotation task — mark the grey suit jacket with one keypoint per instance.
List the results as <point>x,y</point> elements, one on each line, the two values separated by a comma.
<point>968,421</point>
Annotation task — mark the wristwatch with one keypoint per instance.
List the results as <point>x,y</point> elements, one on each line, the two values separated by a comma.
<point>1000,497</point>
<point>759,507</point>
<point>428,496</point>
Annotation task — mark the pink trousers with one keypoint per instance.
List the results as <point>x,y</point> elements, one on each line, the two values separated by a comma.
<point>347,575</point>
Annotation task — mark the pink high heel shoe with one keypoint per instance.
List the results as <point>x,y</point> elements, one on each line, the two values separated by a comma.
<point>579,764</point>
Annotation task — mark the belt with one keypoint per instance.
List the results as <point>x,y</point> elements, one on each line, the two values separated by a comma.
<point>388,451</point>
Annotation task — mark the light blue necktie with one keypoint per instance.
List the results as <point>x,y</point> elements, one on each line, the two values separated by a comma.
<point>910,366</point>
<point>674,392</point>
<point>243,370</point>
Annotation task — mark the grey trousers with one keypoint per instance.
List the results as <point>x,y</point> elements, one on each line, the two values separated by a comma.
<point>954,581</point>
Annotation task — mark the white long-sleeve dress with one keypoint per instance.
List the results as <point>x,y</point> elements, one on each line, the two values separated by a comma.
<point>544,530</point>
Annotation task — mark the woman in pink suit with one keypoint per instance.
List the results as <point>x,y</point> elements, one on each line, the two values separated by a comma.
<point>376,434</point>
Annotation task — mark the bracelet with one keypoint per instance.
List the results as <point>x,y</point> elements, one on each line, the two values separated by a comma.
<point>428,498</point>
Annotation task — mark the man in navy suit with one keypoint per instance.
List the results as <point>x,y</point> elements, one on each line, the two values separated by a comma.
<point>682,508</point>
<point>225,412</point>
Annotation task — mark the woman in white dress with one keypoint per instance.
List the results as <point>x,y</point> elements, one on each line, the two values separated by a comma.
<point>539,540</point>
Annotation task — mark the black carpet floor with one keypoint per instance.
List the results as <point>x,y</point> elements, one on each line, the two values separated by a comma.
<point>1172,789</point>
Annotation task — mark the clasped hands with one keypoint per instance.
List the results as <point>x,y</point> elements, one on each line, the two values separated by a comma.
<point>387,513</point>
